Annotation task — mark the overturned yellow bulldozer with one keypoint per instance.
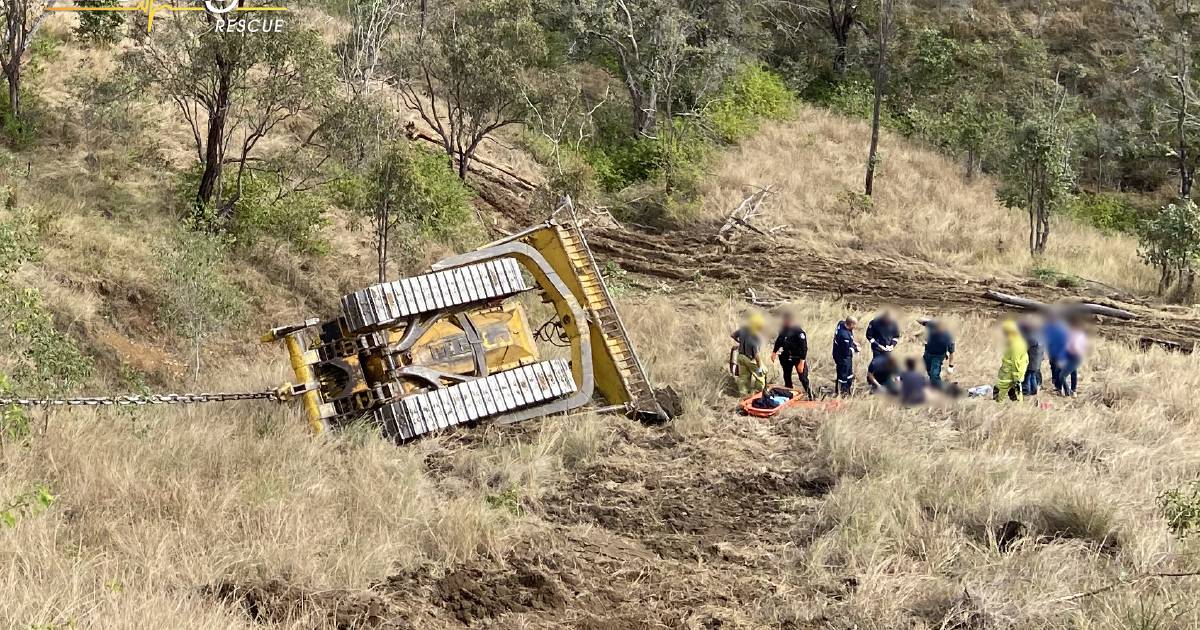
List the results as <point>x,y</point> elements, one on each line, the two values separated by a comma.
<point>454,346</point>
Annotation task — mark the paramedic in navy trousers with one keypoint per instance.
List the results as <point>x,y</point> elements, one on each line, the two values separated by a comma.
<point>844,348</point>
<point>791,349</point>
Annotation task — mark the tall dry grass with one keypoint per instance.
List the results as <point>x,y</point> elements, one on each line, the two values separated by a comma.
<point>923,493</point>
<point>922,208</point>
<point>156,506</point>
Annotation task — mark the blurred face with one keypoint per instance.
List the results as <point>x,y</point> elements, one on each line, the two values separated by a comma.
<point>787,319</point>
<point>851,324</point>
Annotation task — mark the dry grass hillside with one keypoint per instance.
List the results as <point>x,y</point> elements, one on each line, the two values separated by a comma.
<point>923,208</point>
<point>872,517</point>
<point>233,517</point>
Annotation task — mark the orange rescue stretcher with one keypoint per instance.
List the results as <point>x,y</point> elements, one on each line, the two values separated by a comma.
<point>795,400</point>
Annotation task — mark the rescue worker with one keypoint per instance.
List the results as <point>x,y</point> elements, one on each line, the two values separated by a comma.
<point>939,351</point>
<point>751,376</point>
<point>882,373</point>
<point>791,350</point>
<point>844,348</point>
<point>1037,350</point>
<point>883,333</point>
<point>913,385</point>
<point>1054,334</point>
<point>1012,365</point>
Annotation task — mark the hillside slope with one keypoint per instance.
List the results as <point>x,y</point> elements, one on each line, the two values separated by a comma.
<point>873,517</point>
<point>923,209</point>
<point>234,517</point>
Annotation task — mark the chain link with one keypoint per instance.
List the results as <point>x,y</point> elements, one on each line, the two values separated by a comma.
<point>134,400</point>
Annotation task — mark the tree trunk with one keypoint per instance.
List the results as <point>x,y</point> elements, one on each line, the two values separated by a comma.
<point>381,245</point>
<point>1185,173</point>
<point>645,108</point>
<point>969,175</point>
<point>839,54</point>
<point>214,154</point>
<point>1032,231</point>
<point>872,154</point>
<point>1044,231</point>
<point>14,88</point>
<point>841,21</point>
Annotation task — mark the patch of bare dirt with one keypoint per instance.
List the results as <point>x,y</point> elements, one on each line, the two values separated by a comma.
<point>280,601</point>
<point>472,592</point>
<point>689,515</point>
<point>666,532</point>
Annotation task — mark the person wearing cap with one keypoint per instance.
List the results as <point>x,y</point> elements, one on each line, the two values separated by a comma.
<point>844,349</point>
<point>751,376</point>
<point>1012,365</point>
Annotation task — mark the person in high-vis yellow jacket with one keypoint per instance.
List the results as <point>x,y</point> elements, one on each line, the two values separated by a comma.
<point>1012,365</point>
<point>751,376</point>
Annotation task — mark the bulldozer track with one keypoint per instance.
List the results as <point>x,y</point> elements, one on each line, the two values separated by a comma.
<point>785,269</point>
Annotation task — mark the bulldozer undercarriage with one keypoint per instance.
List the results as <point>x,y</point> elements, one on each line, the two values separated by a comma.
<point>454,346</point>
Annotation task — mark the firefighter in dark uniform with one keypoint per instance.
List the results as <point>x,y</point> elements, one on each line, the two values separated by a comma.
<point>791,350</point>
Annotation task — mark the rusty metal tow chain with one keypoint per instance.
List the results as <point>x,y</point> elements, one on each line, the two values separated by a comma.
<point>134,400</point>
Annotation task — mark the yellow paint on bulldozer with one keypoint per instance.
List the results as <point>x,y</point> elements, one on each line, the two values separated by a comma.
<point>504,332</point>
<point>619,375</point>
<point>454,343</point>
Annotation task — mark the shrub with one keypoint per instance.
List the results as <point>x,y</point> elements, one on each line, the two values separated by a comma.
<point>424,196</point>
<point>99,27</point>
<point>40,358</point>
<point>201,300</point>
<point>1171,243</point>
<point>1054,277</point>
<point>1111,212</point>
<point>623,163</point>
<point>1181,508</point>
<point>263,212</point>
<point>25,505</point>
<point>752,95</point>
<point>295,220</point>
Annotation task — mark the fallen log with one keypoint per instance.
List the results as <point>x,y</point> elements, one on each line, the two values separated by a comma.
<point>1073,308</point>
<point>1145,343</point>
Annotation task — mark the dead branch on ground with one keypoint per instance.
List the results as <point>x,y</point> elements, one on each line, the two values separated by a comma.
<point>1124,582</point>
<point>1087,308</point>
<point>762,301</point>
<point>749,209</point>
